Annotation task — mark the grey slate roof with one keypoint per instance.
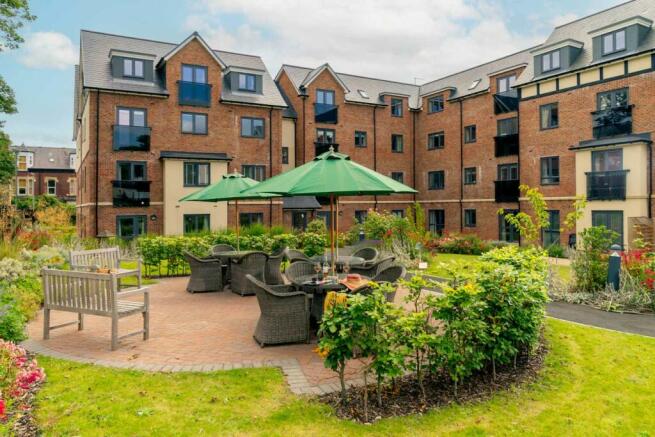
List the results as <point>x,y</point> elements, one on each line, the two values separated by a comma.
<point>95,67</point>
<point>460,84</point>
<point>579,30</point>
<point>300,203</point>
<point>301,76</point>
<point>50,158</point>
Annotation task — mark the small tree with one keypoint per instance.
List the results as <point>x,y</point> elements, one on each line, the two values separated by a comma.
<point>530,226</point>
<point>590,262</point>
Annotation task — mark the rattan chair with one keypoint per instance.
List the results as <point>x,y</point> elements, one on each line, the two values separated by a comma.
<point>297,272</point>
<point>297,255</point>
<point>206,274</point>
<point>371,270</point>
<point>391,274</point>
<point>252,264</point>
<point>284,314</point>
<point>368,253</point>
<point>222,248</point>
<point>273,273</point>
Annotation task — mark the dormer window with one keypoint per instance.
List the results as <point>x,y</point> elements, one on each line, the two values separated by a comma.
<point>247,82</point>
<point>613,42</point>
<point>550,61</point>
<point>24,161</point>
<point>133,68</point>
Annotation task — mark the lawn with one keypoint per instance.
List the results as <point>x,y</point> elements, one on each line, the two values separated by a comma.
<point>434,267</point>
<point>595,382</point>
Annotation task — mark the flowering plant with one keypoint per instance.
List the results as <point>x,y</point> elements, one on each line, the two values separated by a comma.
<point>19,375</point>
<point>640,264</point>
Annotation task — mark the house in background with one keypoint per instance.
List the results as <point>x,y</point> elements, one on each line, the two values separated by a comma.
<point>45,171</point>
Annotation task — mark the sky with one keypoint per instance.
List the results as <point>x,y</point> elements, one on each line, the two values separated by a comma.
<point>412,41</point>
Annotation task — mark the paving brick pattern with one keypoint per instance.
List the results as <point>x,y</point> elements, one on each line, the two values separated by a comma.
<point>201,332</point>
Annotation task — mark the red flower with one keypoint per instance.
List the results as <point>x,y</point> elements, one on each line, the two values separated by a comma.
<point>3,408</point>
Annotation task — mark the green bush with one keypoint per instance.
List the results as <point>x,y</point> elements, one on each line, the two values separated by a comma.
<point>488,318</point>
<point>590,262</point>
<point>313,243</point>
<point>467,244</point>
<point>317,226</point>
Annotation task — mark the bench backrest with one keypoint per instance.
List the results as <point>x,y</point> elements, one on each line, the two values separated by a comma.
<point>74,290</point>
<point>103,258</point>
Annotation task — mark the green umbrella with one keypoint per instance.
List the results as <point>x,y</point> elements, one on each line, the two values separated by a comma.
<point>230,187</point>
<point>330,174</point>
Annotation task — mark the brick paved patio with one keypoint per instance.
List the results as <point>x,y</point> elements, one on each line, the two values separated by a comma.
<point>189,332</point>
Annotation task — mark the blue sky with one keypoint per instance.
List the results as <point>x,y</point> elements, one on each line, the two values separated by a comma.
<point>421,41</point>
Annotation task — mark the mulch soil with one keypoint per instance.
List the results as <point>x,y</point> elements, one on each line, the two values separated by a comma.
<point>404,396</point>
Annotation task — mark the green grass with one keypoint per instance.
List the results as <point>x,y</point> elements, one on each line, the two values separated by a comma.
<point>131,281</point>
<point>595,382</point>
<point>435,267</point>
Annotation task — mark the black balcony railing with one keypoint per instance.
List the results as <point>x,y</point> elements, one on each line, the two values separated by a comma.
<point>131,138</point>
<point>194,93</point>
<point>131,193</point>
<point>507,191</point>
<point>324,113</point>
<point>324,147</point>
<point>611,122</point>
<point>606,185</point>
<point>505,102</point>
<point>507,145</point>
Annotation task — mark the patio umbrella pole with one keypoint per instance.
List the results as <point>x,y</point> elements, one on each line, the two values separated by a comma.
<point>332,231</point>
<point>236,220</point>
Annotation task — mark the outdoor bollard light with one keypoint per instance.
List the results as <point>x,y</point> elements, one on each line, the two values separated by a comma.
<point>362,235</point>
<point>614,268</point>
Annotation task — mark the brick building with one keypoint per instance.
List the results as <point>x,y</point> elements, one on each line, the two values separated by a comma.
<point>570,116</point>
<point>45,171</point>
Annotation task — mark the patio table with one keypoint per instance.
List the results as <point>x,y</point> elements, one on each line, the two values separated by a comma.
<point>225,258</point>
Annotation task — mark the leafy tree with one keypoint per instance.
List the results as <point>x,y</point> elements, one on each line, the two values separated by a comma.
<point>530,226</point>
<point>7,160</point>
<point>13,15</point>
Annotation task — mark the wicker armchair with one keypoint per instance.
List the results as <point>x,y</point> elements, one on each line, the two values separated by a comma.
<point>273,273</point>
<point>297,272</point>
<point>284,314</point>
<point>206,274</point>
<point>222,248</point>
<point>252,264</point>
<point>296,255</point>
<point>371,270</point>
<point>368,253</point>
<point>390,274</point>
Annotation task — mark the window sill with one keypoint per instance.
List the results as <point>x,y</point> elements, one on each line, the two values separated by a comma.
<point>549,183</point>
<point>195,133</point>
<point>549,128</point>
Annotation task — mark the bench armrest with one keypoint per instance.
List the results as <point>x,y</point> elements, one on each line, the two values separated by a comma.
<point>134,291</point>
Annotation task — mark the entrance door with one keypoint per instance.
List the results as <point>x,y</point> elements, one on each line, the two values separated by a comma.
<point>299,220</point>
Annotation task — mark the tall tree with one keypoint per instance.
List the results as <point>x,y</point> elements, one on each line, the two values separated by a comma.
<point>13,15</point>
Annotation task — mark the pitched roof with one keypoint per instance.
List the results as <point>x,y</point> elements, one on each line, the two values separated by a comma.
<point>95,67</point>
<point>52,158</point>
<point>583,31</point>
<point>354,85</point>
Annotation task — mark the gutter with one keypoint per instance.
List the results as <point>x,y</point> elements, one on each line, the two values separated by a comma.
<point>414,115</point>
<point>270,162</point>
<point>97,158</point>
<point>375,155</point>
<point>650,180</point>
<point>461,166</point>
<point>304,124</point>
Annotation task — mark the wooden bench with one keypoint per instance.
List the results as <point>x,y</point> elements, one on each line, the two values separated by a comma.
<point>109,258</point>
<point>91,293</point>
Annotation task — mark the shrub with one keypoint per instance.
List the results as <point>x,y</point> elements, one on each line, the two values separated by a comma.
<point>556,251</point>
<point>589,263</point>
<point>317,226</point>
<point>466,244</point>
<point>313,243</point>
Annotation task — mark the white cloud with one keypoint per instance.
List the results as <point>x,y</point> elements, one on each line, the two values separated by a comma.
<point>45,50</point>
<point>380,38</point>
<point>563,19</point>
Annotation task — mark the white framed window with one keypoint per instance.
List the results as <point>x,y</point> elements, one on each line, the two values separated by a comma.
<point>133,68</point>
<point>51,187</point>
<point>72,186</point>
<point>71,160</point>
<point>24,161</point>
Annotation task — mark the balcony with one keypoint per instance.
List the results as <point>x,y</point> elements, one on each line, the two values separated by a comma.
<point>194,93</point>
<point>131,138</point>
<point>324,113</point>
<point>505,102</point>
<point>507,145</point>
<point>606,185</point>
<point>612,122</point>
<point>324,147</point>
<point>131,193</point>
<point>507,191</point>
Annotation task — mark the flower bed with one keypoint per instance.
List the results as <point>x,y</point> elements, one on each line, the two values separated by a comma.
<point>20,378</point>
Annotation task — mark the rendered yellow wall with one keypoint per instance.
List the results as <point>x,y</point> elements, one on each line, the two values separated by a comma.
<point>635,157</point>
<point>547,87</point>
<point>640,63</point>
<point>529,91</point>
<point>613,70</point>
<point>174,190</point>
<point>289,140</point>
<point>590,76</point>
<point>82,142</point>
<point>568,81</point>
